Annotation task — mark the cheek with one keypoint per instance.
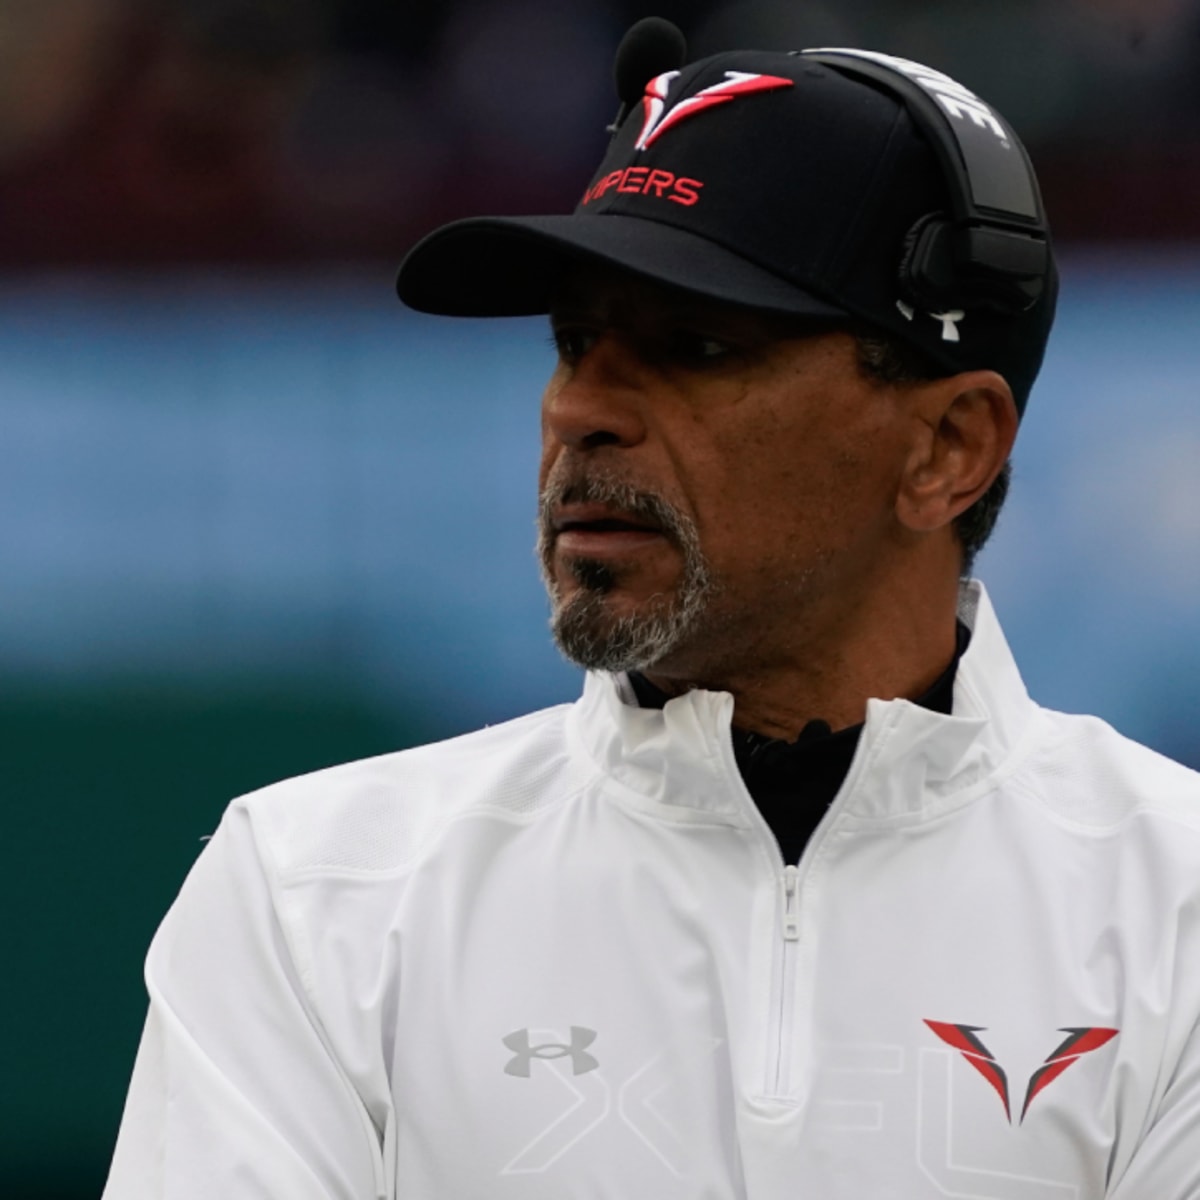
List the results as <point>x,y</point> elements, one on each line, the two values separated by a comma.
<point>803,465</point>
<point>786,493</point>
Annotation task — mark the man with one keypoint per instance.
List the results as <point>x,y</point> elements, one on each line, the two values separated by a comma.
<point>805,896</point>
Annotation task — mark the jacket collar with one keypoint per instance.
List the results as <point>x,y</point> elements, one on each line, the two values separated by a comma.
<point>909,759</point>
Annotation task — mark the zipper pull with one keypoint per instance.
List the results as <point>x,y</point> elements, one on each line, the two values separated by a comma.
<point>791,918</point>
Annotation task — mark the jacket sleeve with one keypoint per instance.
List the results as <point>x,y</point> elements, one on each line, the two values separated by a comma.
<point>1166,1164</point>
<point>235,1092</point>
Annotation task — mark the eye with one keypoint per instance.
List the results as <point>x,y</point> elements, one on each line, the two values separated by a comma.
<point>698,349</point>
<point>572,342</point>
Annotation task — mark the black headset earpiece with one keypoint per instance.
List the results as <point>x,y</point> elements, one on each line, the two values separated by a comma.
<point>991,250</point>
<point>927,270</point>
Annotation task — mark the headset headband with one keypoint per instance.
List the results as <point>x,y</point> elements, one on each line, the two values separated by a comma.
<point>997,237</point>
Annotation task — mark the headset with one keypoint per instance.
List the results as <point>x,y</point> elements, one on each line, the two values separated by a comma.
<point>992,250</point>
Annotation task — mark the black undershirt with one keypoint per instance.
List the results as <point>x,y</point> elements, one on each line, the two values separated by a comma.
<point>793,783</point>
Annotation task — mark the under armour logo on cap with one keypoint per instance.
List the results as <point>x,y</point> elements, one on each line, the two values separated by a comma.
<point>524,1053</point>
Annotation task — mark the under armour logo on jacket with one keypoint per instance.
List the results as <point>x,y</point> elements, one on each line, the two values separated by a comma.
<point>524,1053</point>
<point>654,103</point>
<point>963,1038</point>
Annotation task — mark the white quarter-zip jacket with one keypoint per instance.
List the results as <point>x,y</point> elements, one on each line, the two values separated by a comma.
<point>561,958</point>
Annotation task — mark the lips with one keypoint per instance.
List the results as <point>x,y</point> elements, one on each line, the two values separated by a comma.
<point>597,530</point>
<point>599,518</point>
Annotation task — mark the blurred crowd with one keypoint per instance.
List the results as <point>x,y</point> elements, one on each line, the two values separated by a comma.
<point>152,131</point>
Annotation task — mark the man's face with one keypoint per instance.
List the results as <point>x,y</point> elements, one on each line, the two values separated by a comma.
<point>715,483</point>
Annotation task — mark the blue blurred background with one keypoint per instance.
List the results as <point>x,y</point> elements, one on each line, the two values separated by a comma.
<point>255,518</point>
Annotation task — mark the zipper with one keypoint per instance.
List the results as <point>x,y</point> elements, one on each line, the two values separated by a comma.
<point>791,918</point>
<point>789,928</point>
<point>781,1001</point>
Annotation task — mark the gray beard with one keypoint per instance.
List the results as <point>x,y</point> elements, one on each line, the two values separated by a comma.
<point>584,630</point>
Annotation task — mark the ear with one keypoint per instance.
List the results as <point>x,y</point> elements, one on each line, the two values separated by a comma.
<point>966,426</point>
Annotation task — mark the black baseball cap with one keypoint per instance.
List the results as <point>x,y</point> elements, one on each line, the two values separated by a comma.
<point>768,180</point>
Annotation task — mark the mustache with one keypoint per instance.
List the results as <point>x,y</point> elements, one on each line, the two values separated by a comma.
<point>648,507</point>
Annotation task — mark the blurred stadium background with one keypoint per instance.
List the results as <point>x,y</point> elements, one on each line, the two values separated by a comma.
<point>255,519</point>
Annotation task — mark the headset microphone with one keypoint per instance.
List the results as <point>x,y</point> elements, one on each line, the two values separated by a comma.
<point>649,48</point>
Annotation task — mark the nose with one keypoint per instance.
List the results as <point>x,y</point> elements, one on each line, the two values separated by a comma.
<point>598,399</point>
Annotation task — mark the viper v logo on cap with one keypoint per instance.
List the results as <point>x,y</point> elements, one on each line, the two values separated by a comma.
<point>836,184</point>
<point>658,119</point>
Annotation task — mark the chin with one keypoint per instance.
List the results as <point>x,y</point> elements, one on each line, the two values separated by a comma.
<point>620,630</point>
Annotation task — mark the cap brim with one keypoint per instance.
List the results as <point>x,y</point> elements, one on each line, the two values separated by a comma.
<point>510,266</point>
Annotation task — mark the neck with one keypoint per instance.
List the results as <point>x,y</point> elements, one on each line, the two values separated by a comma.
<point>830,664</point>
